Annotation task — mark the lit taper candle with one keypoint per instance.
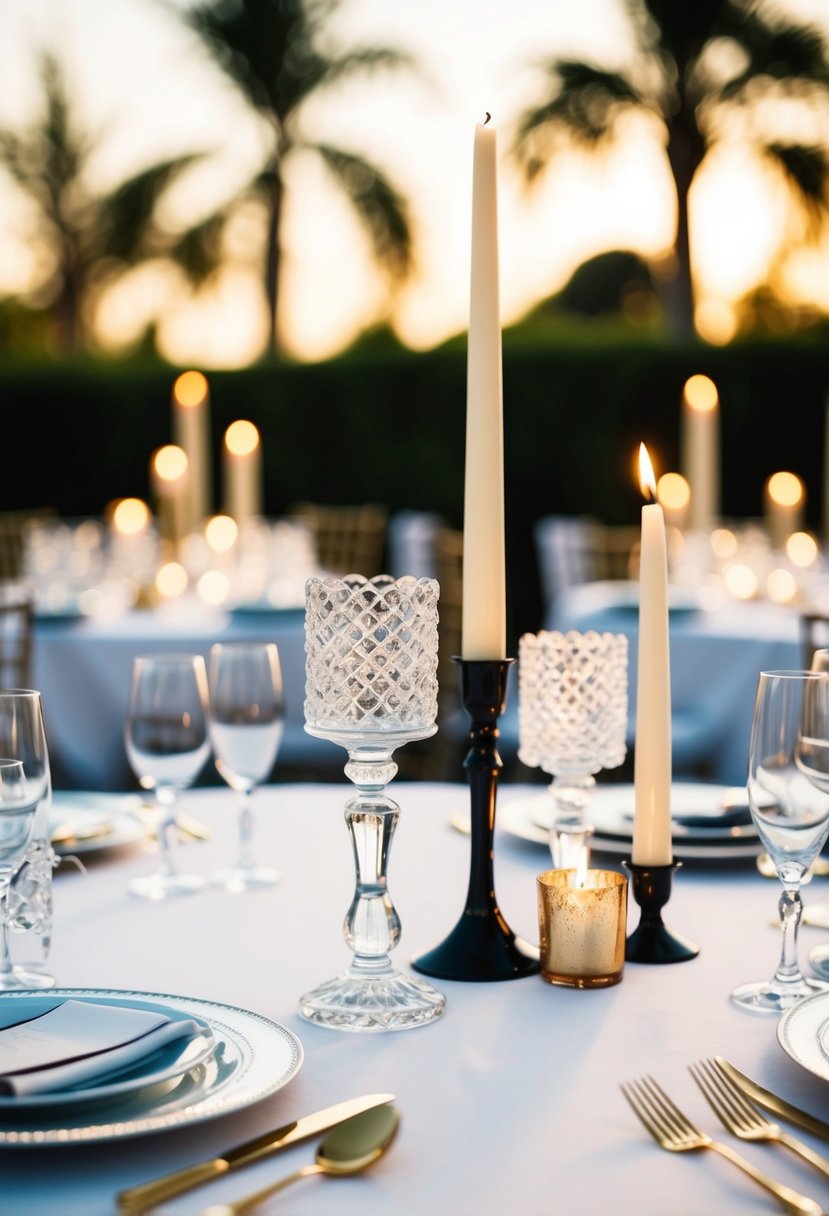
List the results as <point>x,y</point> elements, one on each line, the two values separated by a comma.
<point>484,571</point>
<point>652,755</point>
<point>191,432</point>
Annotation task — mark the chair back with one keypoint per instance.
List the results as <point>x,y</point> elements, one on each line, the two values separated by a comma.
<point>814,635</point>
<point>348,540</point>
<point>16,618</point>
<point>12,538</point>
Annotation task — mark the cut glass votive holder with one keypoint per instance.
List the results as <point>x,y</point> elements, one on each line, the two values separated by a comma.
<point>582,927</point>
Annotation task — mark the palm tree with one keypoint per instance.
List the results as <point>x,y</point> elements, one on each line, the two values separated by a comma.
<point>91,237</point>
<point>270,50</point>
<point>696,64</point>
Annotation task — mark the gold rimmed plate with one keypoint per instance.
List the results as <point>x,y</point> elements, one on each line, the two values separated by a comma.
<point>252,1058</point>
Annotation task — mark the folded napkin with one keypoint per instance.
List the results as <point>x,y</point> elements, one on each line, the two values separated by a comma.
<point>79,1041</point>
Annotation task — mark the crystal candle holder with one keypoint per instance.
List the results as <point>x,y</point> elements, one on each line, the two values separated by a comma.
<point>572,718</point>
<point>582,927</point>
<point>371,686</point>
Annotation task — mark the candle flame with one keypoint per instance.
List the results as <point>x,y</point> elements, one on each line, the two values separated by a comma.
<point>190,389</point>
<point>170,462</point>
<point>647,481</point>
<point>241,437</point>
<point>701,393</point>
<point>786,489</point>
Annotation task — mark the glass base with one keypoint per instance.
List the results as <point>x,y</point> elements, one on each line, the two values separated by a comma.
<point>167,886</point>
<point>388,1001</point>
<point>772,997</point>
<point>239,879</point>
<point>24,978</point>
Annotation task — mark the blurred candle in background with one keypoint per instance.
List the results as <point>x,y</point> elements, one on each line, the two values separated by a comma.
<point>242,460</point>
<point>484,565</point>
<point>784,500</point>
<point>191,432</point>
<point>168,478</point>
<point>701,450</point>
<point>652,755</point>
<point>674,496</point>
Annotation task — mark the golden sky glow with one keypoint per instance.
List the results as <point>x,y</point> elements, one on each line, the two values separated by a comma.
<point>160,99</point>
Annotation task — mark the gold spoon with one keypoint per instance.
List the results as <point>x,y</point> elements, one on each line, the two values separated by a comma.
<point>348,1148</point>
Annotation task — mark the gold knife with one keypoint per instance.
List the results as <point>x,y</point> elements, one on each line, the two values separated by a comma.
<point>157,1190</point>
<point>779,1106</point>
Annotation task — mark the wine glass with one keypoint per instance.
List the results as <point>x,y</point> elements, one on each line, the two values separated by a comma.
<point>788,793</point>
<point>167,745</point>
<point>819,913</point>
<point>19,799</point>
<point>247,713</point>
<point>572,719</point>
<point>26,905</point>
<point>371,650</point>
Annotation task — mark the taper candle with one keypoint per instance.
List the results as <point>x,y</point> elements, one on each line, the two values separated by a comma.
<point>242,454</point>
<point>701,450</point>
<point>191,432</point>
<point>652,755</point>
<point>484,567</point>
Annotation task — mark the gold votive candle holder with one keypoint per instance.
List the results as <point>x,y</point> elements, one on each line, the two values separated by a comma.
<point>582,927</point>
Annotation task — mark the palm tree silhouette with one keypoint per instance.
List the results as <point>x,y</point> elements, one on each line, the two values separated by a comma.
<point>269,49</point>
<point>91,238</point>
<point>696,65</point>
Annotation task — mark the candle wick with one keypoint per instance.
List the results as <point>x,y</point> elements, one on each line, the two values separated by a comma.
<point>488,116</point>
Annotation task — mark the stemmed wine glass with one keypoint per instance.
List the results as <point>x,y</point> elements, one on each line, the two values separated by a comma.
<point>247,712</point>
<point>167,745</point>
<point>819,913</point>
<point>19,799</point>
<point>26,905</point>
<point>371,650</point>
<point>788,793</point>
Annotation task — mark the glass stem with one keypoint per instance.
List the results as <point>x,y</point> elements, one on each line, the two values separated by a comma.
<point>570,830</point>
<point>372,926</point>
<point>246,832</point>
<point>790,909</point>
<point>167,833</point>
<point>5,945</point>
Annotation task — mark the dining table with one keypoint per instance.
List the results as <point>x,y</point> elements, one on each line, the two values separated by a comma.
<point>510,1102</point>
<point>82,665</point>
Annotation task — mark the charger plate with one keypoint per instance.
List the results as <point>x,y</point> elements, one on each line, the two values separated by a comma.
<point>611,812</point>
<point>800,1032</point>
<point>253,1057</point>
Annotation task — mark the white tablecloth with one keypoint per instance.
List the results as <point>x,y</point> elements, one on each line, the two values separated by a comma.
<point>82,668</point>
<point>510,1102</point>
<point>717,655</point>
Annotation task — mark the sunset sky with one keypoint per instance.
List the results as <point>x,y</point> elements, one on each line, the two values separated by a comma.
<point>139,80</point>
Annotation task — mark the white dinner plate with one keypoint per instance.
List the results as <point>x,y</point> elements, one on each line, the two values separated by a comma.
<point>170,1061</point>
<point>253,1057</point>
<point>799,1033</point>
<point>611,813</point>
<point>102,821</point>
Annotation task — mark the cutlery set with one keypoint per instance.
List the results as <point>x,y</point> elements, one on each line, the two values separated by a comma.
<point>363,1128</point>
<point>727,1092</point>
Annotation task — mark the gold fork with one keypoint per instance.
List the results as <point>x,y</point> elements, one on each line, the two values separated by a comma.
<point>742,1119</point>
<point>675,1132</point>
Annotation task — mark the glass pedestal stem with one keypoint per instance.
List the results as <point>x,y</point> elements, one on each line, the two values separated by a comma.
<point>372,994</point>
<point>790,909</point>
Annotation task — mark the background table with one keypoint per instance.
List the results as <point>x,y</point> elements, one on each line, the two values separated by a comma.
<point>717,655</point>
<point>82,667</point>
<point>510,1102</point>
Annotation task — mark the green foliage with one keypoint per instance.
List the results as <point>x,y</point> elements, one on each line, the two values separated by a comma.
<point>388,426</point>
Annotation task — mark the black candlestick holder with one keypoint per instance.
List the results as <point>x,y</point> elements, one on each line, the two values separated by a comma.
<point>482,946</point>
<point>652,941</point>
